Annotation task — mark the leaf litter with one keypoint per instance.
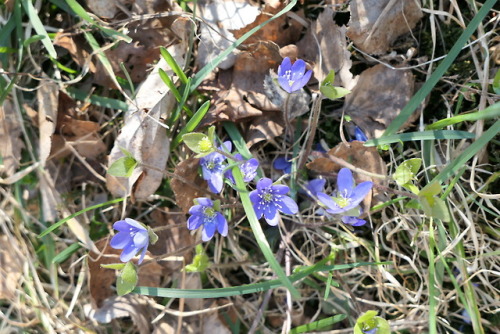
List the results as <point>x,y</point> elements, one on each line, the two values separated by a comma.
<point>242,90</point>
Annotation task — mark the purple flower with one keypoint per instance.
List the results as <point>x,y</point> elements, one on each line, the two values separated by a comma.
<point>204,214</point>
<point>315,186</point>
<point>212,167</point>
<point>371,331</point>
<point>248,169</point>
<point>359,135</point>
<point>132,238</point>
<point>293,77</point>
<point>348,195</point>
<point>268,199</point>
<point>353,221</point>
<point>283,164</point>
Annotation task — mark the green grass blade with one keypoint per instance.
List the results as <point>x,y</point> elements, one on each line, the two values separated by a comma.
<point>313,326</point>
<point>180,106</point>
<point>421,135</point>
<point>173,65</point>
<point>440,70</point>
<point>492,111</point>
<point>246,288</point>
<point>62,221</point>
<point>97,100</point>
<point>39,28</point>
<point>207,69</point>
<point>191,124</point>
<point>259,234</point>
<point>468,153</point>
<point>170,84</point>
<point>66,253</point>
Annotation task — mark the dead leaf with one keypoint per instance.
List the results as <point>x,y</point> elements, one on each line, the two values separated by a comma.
<point>186,193</point>
<point>265,128</point>
<point>366,158</point>
<point>132,305</point>
<point>10,133</point>
<point>326,41</point>
<point>11,267</point>
<point>375,24</point>
<point>282,31</point>
<point>218,18</point>
<point>77,48</point>
<point>106,8</point>
<point>212,324</point>
<point>101,279</point>
<point>378,98</point>
<point>48,101</point>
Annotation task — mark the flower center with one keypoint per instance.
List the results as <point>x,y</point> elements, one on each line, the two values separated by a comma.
<point>205,145</point>
<point>210,165</point>
<point>267,197</point>
<point>209,213</point>
<point>342,201</point>
<point>288,75</point>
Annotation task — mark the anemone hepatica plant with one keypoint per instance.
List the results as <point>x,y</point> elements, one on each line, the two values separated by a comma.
<point>283,164</point>
<point>213,166</point>
<point>132,237</point>
<point>248,169</point>
<point>293,77</point>
<point>206,215</point>
<point>347,198</point>
<point>268,199</point>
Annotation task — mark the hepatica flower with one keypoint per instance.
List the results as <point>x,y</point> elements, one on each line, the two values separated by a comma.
<point>203,214</point>
<point>213,166</point>
<point>132,237</point>
<point>293,77</point>
<point>268,199</point>
<point>248,169</point>
<point>359,135</point>
<point>283,164</point>
<point>347,198</point>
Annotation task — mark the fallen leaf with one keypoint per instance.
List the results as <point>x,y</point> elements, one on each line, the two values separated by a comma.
<point>10,133</point>
<point>102,279</point>
<point>265,128</point>
<point>378,98</point>
<point>218,18</point>
<point>325,45</point>
<point>185,193</point>
<point>48,101</point>
<point>77,48</point>
<point>375,24</point>
<point>212,324</point>
<point>106,8</point>
<point>11,267</point>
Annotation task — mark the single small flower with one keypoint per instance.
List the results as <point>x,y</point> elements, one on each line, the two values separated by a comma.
<point>348,195</point>
<point>268,199</point>
<point>212,167</point>
<point>248,169</point>
<point>204,214</point>
<point>283,164</point>
<point>371,331</point>
<point>353,221</point>
<point>359,135</point>
<point>313,187</point>
<point>293,77</point>
<point>132,237</point>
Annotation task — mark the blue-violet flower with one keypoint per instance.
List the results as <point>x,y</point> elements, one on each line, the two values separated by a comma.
<point>348,195</point>
<point>132,237</point>
<point>283,164</point>
<point>204,214</point>
<point>248,169</point>
<point>315,186</point>
<point>212,167</point>
<point>293,77</point>
<point>268,199</point>
<point>359,135</point>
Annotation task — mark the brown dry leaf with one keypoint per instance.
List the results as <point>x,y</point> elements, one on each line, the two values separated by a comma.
<point>48,101</point>
<point>11,267</point>
<point>106,8</point>
<point>282,31</point>
<point>76,46</point>
<point>186,193</point>
<point>101,279</point>
<point>219,17</point>
<point>366,158</point>
<point>10,133</point>
<point>375,24</point>
<point>265,128</point>
<point>332,50</point>
<point>378,98</point>
<point>212,324</point>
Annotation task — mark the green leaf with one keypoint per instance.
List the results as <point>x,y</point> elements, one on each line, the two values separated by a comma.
<point>153,237</point>
<point>492,111</point>
<point>313,326</point>
<point>421,135</point>
<point>333,93</point>
<point>406,171</point>
<point>123,167</point>
<point>435,208</point>
<point>116,266</point>
<point>191,124</point>
<point>496,83</point>
<point>368,321</point>
<point>39,27</point>
<point>33,39</point>
<point>66,253</point>
<point>198,143</point>
<point>127,280</point>
<point>173,65</point>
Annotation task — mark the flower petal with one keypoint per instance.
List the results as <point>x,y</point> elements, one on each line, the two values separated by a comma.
<point>264,183</point>
<point>315,186</point>
<point>216,182</point>
<point>283,81</point>
<point>270,211</point>
<point>135,224</point>
<point>345,183</point>
<point>141,239</point>
<point>208,231</point>
<point>204,201</point>
<point>300,83</point>
<point>120,240</point>
<point>254,196</point>
<point>288,205</point>
<point>228,146</point>
<point>282,163</point>
<point>221,224</point>
<point>274,221</point>
<point>353,221</point>
<point>128,252</point>
<point>280,189</point>
<point>142,255</point>
<point>360,192</point>
<point>298,69</point>
<point>194,222</point>
<point>330,204</point>
<point>122,226</point>
<point>286,64</point>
